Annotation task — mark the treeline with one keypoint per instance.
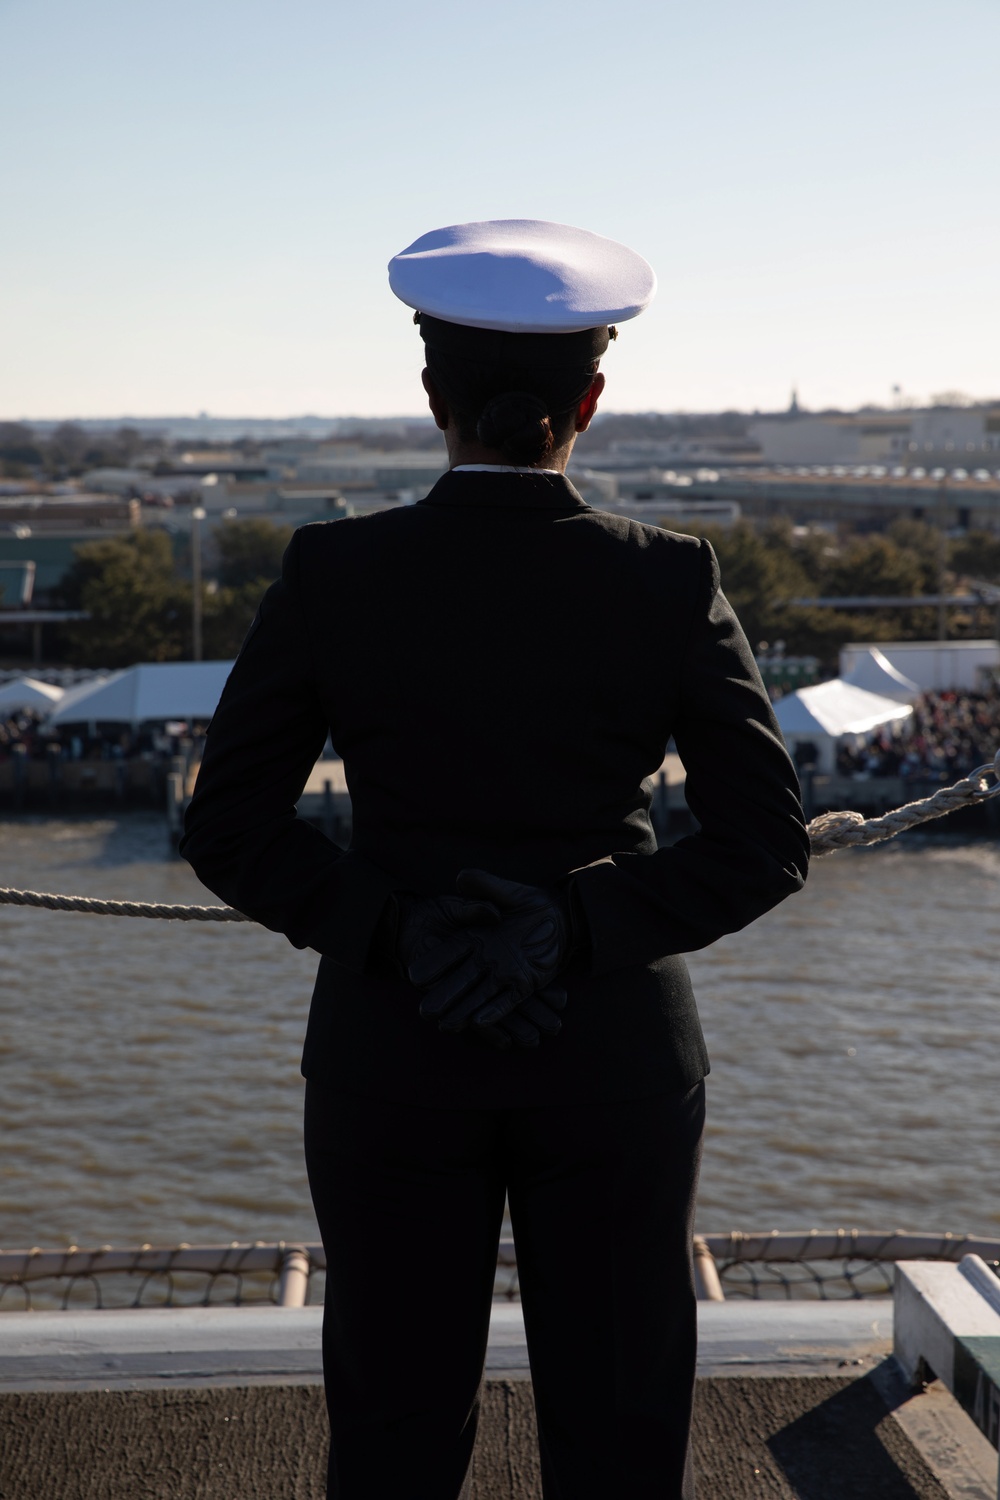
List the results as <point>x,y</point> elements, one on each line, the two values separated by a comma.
<point>69,450</point>
<point>138,593</point>
<point>765,567</point>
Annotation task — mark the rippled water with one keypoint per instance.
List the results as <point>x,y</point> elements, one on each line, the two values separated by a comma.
<point>149,1084</point>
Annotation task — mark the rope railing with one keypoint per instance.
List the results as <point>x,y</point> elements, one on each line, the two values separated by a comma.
<point>832,1244</point>
<point>846,830</point>
<point>830,831</point>
<point>829,1265</point>
<point>100,908</point>
<point>818,1264</point>
<point>235,1275</point>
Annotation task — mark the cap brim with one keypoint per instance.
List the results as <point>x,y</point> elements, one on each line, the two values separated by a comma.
<point>522,276</point>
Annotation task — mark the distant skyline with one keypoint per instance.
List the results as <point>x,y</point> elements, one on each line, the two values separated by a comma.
<point>200,199</point>
<point>315,422</point>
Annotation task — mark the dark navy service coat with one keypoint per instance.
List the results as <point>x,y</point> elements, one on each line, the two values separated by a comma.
<point>501,668</point>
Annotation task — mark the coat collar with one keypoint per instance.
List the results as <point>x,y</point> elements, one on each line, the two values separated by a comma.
<point>508,491</point>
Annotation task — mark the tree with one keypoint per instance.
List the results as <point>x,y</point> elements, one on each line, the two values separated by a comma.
<point>760,571</point>
<point>876,565</point>
<point>928,545</point>
<point>977,556</point>
<point>112,450</point>
<point>68,446</point>
<point>250,551</point>
<point>128,442</point>
<point>227,615</point>
<point>139,610</point>
<point>18,448</point>
<point>249,560</point>
<point>763,569</point>
<point>953,398</point>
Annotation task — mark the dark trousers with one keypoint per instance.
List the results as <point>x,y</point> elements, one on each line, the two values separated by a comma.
<point>410,1204</point>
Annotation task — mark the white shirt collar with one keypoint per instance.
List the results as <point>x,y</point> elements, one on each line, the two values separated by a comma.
<point>501,469</point>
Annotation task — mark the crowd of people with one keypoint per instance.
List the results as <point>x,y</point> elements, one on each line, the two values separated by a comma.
<point>947,736</point>
<point>25,733</point>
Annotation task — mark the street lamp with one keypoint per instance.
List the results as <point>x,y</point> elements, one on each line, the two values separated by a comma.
<point>197,516</point>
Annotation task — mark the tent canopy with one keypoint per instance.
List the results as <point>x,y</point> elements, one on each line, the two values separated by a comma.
<point>836,708</point>
<point>876,674</point>
<point>25,692</point>
<point>820,715</point>
<point>154,692</point>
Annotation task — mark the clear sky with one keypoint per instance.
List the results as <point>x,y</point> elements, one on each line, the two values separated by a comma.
<point>198,198</point>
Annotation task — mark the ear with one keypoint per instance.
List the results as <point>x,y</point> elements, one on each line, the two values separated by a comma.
<point>585,411</point>
<point>436,402</point>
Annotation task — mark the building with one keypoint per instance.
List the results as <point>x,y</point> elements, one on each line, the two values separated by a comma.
<point>935,666</point>
<point>368,469</point>
<point>948,437</point>
<point>623,454</point>
<point>797,437</point>
<point>954,436</point>
<point>45,530</point>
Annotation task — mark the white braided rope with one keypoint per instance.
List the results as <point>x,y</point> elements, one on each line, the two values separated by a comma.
<point>830,831</point>
<point>843,830</point>
<point>101,908</point>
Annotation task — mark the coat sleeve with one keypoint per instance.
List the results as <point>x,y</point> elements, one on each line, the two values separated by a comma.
<point>751,849</point>
<point>241,831</point>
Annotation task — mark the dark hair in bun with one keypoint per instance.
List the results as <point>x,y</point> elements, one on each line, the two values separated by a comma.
<point>517,425</point>
<point>517,394</point>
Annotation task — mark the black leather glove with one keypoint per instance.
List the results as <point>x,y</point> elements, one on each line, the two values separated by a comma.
<point>525,1026</point>
<point>485,973</point>
<point>412,925</point>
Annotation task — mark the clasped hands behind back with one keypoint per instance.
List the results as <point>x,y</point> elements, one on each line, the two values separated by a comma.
<point>488,959</point>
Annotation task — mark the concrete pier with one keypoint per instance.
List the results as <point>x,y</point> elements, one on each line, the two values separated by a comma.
<point>794,1400</point>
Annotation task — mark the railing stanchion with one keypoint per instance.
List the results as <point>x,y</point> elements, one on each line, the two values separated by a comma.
<point>706,1273</point>
<point>294,1285</point>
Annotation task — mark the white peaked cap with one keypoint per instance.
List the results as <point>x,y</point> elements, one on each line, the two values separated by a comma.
<point>522,276</point>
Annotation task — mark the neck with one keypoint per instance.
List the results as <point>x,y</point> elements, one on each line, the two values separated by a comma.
<point>475,453</point>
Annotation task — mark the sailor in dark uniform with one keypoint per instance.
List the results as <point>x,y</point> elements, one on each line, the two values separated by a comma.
<point>502,1008</point>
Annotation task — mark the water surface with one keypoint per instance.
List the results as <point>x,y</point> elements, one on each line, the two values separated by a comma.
<point>149,1084</point>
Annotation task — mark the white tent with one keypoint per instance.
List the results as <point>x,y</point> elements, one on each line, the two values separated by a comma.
<point>156,692</point>
<point>822,714</point>
<point>25,692</point>
<point>876,674</point>
<point>78,690</point>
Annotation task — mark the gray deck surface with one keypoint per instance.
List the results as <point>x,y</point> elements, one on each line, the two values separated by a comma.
<point>792,1338</point>
<point>796,1401</point>
<point>129,1348</point>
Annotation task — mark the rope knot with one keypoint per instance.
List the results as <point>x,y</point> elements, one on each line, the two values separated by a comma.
<point>834,829</point>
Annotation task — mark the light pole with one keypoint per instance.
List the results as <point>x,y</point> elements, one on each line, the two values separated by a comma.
<point>942,498</point>
<point>197,516</point>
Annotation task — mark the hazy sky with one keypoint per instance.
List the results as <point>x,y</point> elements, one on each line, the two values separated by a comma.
<point>199,197</point>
